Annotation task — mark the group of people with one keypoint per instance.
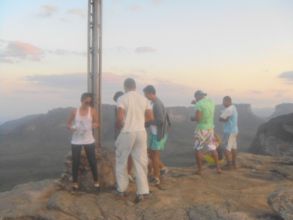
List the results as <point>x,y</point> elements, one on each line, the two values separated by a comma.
<point>142,125</point>
<point>205,139</point>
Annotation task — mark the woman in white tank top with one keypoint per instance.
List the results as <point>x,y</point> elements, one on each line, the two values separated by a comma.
<point>83,129</point>
<point>81,122</point>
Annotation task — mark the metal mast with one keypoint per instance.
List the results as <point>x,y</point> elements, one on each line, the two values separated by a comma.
<point>94,66</point>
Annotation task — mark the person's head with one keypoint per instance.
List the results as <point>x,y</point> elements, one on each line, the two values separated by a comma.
<point>198,95</point>
<point>150,92</point>
<point>86,99</point>
<point>117,95</point>
<point>129,85</point>
<point>227,101</point>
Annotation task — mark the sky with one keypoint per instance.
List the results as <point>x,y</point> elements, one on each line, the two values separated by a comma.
<point>241,48</point>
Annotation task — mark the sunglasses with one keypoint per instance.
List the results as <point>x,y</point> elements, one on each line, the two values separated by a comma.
<point>88,102</point>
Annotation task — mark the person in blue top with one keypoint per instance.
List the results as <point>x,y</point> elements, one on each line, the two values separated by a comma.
<point>230,118</point>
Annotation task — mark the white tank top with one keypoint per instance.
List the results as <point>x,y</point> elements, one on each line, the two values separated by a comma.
<point>84,129</point>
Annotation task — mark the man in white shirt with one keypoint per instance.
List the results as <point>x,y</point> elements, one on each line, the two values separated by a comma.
<point>230,118</point>
<point>133,111</point>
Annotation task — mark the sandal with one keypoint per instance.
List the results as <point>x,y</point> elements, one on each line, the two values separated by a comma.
<point>75,186</point>
<point>97,187</point>
<point>219,171</point>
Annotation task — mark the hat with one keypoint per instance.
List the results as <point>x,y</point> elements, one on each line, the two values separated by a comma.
<point>199,93</point>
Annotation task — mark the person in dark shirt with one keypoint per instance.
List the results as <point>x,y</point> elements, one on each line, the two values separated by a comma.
<point>158,133</point>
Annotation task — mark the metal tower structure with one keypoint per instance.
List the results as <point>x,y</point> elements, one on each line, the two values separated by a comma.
<point>94,67</point>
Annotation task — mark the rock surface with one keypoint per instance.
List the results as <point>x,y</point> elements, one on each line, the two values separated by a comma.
<point>281,202</point>
<point>234,195</point>
<point>275,137</point>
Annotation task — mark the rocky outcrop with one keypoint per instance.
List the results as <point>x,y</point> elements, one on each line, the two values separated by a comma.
<point>26,200</point>
<point>210,212</point>
<point>281,201</point>
<point>275,137</point>
<point>233,195</point>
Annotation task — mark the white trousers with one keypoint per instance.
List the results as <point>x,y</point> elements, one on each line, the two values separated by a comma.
<point>134,144</point>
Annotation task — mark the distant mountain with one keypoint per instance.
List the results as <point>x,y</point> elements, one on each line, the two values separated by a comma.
<point>34,147</point>
<point>3,120</point>
<point>282,109</point>
<point>269,113</point>
<point>263,112</point>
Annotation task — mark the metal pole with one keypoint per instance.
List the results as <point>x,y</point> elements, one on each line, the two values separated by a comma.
<point>95,58</point>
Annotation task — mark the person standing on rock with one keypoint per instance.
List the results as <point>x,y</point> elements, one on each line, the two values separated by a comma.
<point>116,96</point>
<point>133,111</point>
<point>230,118</point>
<point>158,133</point>
<point>204,139</point>
<point>81,122</point>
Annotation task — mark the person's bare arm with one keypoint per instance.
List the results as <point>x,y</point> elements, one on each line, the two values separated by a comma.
<point>193,102</point>
<point>95,116</point>
<point>120,117</point>
<point>223,119</point>
<point>198,116</point>
<point>149,115</point>
<point>70,119</point>
<point>225,116</point>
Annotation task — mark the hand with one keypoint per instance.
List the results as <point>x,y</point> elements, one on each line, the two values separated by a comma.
<point>71,128</point>
<point>193,102</point>
<point>119,125</point>
<point>95,125</point>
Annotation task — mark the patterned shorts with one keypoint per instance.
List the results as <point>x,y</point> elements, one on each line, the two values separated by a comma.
<point>204,140</point>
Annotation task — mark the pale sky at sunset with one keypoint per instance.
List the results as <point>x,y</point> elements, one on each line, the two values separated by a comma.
<point>242,48</point>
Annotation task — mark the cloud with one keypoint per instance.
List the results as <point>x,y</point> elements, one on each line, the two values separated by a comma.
<point>63,52</point>
<point>47,10</point>
<point>157,2</point>
<point>72,81</point>
<point>2,42</point>
<point>142,50</point>
<point>111,82</point>
<point>256,92</point>
<point>287,76</point>
<point>67,81</point>
<point>77,12</point>
<point>14,51</point>
<point>136,8</point>
<point>5,60</point>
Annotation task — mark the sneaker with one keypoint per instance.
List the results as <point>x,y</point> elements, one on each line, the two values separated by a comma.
<point>97,187</point>
<point>75,186</point>
<point>120,194</point>
<point>155,181</point>
<point>164,171</point>
<point>139,198</point>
